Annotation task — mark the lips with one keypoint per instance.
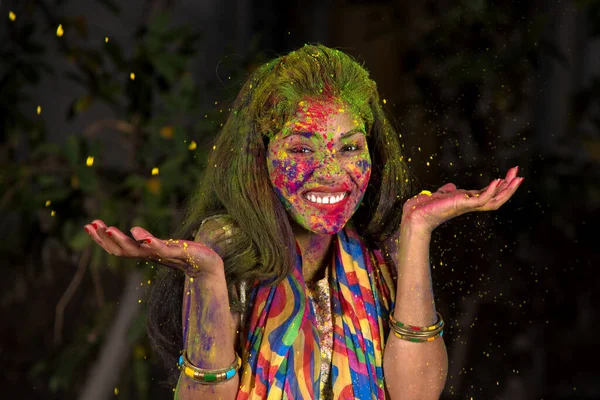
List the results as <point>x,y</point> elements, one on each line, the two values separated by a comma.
<point>335,207</point>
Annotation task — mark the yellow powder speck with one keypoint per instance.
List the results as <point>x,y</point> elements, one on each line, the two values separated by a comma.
<point>39,110</point>
<point>48,202</point>
<point>384,101</point>
<point>192,146</point>
<point>132,76</point>
<point>52,213</point>
<point>12,16</point>
<point>139,301</point>
<point>154,171</point>
<point>419,149</point>
<point>105,39</point>
<point>60,31</point>
<point>214,147</point>
<point>428,163</point>
<point>116,391</point>
<point>250,86</point>
<point>89,161</point>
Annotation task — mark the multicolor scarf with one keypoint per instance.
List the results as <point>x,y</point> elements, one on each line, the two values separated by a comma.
<point>282,353</point>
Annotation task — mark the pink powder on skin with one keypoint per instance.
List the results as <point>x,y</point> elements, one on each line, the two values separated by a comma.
<point>319,157</point>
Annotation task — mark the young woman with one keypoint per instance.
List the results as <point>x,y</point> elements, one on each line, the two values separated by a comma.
<point>308,276</point>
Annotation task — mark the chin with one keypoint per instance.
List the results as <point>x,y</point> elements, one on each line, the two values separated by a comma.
<point>323,230</point>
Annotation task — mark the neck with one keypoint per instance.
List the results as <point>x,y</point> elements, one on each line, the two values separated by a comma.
<point>316,251</point>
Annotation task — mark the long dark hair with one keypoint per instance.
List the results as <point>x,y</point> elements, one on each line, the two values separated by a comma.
<point>236,184</point>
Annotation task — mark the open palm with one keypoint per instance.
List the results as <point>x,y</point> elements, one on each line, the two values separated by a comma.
<point>429,210</point>
<point>193,258</point>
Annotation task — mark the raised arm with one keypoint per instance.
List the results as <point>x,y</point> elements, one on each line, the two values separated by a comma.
<point>209,328</point>
<point>208,325</point>
<point>418,370</point>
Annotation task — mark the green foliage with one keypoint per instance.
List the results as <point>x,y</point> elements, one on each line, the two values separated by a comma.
<point>56,188</point>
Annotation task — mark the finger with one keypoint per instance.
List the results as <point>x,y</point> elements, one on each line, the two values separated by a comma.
<point>130,247</point>
<point>448,187</point>
<point>512,173</point>
<point>484,196</point>
<point>108,241</point>
<point>506,184</point>
<point>89,228</point>
<point>503,197</point>
<point>98,223</point>
<point>102,239</point>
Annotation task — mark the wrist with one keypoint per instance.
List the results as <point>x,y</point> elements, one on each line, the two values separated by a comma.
<point>413,230</point>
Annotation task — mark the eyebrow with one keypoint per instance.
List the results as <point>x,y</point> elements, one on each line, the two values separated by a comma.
<point>308,134</point>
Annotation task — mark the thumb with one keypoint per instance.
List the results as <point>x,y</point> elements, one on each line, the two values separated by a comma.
<point>140,233</point>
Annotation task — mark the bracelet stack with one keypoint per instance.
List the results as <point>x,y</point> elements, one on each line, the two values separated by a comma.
<point>417,334</point>
<point>206,376</point>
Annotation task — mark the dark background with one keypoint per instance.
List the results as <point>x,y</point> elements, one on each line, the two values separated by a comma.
<point>475,87</point>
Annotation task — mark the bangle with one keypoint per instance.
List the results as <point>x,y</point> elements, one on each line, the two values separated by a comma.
<point>417,333</point>
<point>437,325</point>
<point>207,376</point>
<point>418,340</point>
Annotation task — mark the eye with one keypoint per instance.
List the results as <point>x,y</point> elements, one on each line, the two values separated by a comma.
<point>300,150</point>
<point>355,146</point>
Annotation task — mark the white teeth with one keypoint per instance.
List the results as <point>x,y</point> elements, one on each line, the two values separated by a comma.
<point>326,199</point>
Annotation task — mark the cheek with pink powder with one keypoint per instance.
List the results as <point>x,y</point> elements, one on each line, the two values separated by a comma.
<point>289,175</point>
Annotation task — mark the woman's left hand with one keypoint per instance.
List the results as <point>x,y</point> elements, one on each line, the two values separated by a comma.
<point>426,211</point>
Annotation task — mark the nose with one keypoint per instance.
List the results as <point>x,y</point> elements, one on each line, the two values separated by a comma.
<point>329,171</point>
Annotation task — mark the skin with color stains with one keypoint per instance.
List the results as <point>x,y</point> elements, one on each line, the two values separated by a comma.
<point>310,152</point>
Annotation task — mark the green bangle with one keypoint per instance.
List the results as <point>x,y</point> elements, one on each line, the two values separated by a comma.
<point>437,325</point>
<point>417,339</point>
<point>209,377</point>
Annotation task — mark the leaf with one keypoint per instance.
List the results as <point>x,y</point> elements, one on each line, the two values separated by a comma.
<point>44,149</point>
<point>79,241</point>
<point>78,105</point>
<point>76,77</point>
<point>87,179</point>
<point>112,6</point>
<point>72,150</point>
<point>160,24</point>
<point>115,52</point>
<point>166,68</point>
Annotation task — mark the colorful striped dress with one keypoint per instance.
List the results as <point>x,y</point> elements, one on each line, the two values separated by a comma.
<point>290,336</point>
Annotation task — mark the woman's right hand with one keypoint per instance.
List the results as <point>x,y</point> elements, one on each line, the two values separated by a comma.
<point>195,259</point>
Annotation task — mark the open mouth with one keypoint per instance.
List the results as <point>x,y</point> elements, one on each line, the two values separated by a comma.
<point>326,199</point>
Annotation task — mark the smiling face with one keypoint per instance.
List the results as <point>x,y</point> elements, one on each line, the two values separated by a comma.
<point>319,164</point>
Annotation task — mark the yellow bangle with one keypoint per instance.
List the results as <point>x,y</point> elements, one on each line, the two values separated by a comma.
<point>209,377</point>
